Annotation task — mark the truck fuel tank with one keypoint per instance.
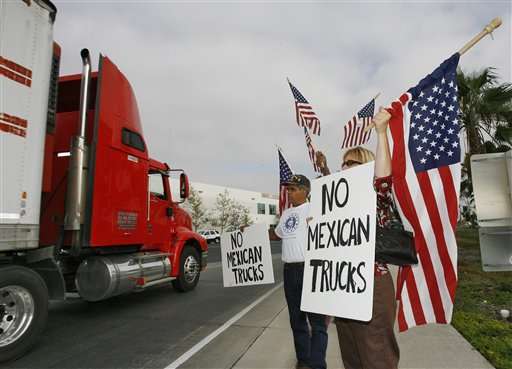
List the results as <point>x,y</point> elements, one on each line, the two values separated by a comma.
<point>101,277</point>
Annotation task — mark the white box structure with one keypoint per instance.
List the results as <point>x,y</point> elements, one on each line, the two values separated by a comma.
<point>492,187</point>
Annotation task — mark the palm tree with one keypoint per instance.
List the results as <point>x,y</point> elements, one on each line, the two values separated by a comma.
<point>486,111</point>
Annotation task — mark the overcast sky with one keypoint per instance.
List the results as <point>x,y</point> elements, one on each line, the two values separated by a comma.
<point>210,77</point>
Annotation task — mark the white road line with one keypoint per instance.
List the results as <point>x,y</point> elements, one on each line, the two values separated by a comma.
<point>217,264</point>
<point>187,355</point>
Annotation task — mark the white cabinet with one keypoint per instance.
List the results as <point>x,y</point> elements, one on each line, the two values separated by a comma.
<point>492,186</point>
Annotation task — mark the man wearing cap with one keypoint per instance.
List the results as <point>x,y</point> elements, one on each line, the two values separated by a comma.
<point>310,348</point>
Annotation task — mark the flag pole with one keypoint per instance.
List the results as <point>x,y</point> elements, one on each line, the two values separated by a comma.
<point>306,135</point>
<point>495,23</point>
<point>488,29</point>
<point>280,150</point>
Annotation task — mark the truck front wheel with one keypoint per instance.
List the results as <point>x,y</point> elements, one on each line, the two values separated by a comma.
<point>23,310</point>
<point>190,268</point>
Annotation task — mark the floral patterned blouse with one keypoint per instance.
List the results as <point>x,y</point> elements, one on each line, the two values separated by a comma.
<point>385,212</point>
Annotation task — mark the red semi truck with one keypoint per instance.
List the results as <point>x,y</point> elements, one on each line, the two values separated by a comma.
<point>83,207</point>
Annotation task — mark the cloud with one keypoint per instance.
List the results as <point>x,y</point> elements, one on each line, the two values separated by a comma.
<point>210,78</point>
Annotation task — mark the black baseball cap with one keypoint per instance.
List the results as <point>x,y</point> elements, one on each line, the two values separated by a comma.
<point>299,180</point>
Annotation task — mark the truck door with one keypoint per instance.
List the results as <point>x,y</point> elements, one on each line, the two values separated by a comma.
<point>158,224</point>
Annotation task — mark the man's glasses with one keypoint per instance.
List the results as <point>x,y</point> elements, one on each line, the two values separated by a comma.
<point>350,163</point>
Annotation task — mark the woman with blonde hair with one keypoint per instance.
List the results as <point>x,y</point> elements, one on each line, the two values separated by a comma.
<point>372,345</point>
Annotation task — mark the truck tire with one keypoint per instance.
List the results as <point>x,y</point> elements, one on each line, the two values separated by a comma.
<point>23,310</point>
<point>190,269</point>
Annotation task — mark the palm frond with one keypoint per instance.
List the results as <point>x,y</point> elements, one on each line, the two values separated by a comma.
<point>504,134</point>
<point>485,109</point>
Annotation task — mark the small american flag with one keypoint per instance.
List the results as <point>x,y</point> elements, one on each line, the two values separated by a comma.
<point>426,183</point>
<point>305,115</point>
<point>354,134</point>
<point>285,174</point>
<point>311,150</point>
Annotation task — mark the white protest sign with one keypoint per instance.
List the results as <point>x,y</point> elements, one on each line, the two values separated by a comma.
<point>340,247</point>
<point>246,257</point>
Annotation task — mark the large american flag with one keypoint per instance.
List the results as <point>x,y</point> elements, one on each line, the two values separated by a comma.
<point>305,115</point>
<point>354,134</point>
<point>285,174</point>
<point>311,150</point>
<point>426,182</point>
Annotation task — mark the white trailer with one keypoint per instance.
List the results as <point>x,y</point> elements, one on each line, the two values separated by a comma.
<point>26,48</point>
<point>27,110</point>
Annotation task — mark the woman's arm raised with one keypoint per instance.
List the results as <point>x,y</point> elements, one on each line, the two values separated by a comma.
<point>382,154</point>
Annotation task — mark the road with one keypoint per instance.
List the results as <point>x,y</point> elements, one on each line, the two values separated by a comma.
<point>149,329</point>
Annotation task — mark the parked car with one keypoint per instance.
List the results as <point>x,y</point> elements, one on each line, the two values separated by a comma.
<point>210,235</point>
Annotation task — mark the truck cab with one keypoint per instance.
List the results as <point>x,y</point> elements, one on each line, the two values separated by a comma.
<point>123,203</point>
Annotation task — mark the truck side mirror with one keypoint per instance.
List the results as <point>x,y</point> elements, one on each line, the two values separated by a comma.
<point>184,186</point>
<point>179,184</point>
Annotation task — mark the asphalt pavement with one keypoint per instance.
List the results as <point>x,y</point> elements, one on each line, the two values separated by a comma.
<point>149,329</point>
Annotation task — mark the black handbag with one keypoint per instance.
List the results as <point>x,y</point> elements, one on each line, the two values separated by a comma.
<point>395,245</point>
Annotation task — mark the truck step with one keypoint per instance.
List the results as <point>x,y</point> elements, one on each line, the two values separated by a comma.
<point>142,286</point>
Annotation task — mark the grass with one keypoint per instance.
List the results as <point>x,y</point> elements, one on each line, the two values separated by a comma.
<point>480,296</point>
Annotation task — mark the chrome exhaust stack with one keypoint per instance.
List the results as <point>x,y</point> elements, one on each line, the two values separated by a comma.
<point>77,172</point>
<point>84,88</point>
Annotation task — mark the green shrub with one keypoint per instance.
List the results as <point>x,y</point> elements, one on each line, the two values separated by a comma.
<point>480,296</point>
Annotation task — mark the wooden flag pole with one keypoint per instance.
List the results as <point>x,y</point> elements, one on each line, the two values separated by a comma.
<point>495,23</point>
<point>488,29</point>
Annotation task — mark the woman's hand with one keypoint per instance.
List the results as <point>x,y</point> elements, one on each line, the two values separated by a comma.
<point>381,120</point>
<point>321,162</point>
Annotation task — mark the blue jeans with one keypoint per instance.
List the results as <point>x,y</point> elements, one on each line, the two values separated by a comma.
<point>310,348</point>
